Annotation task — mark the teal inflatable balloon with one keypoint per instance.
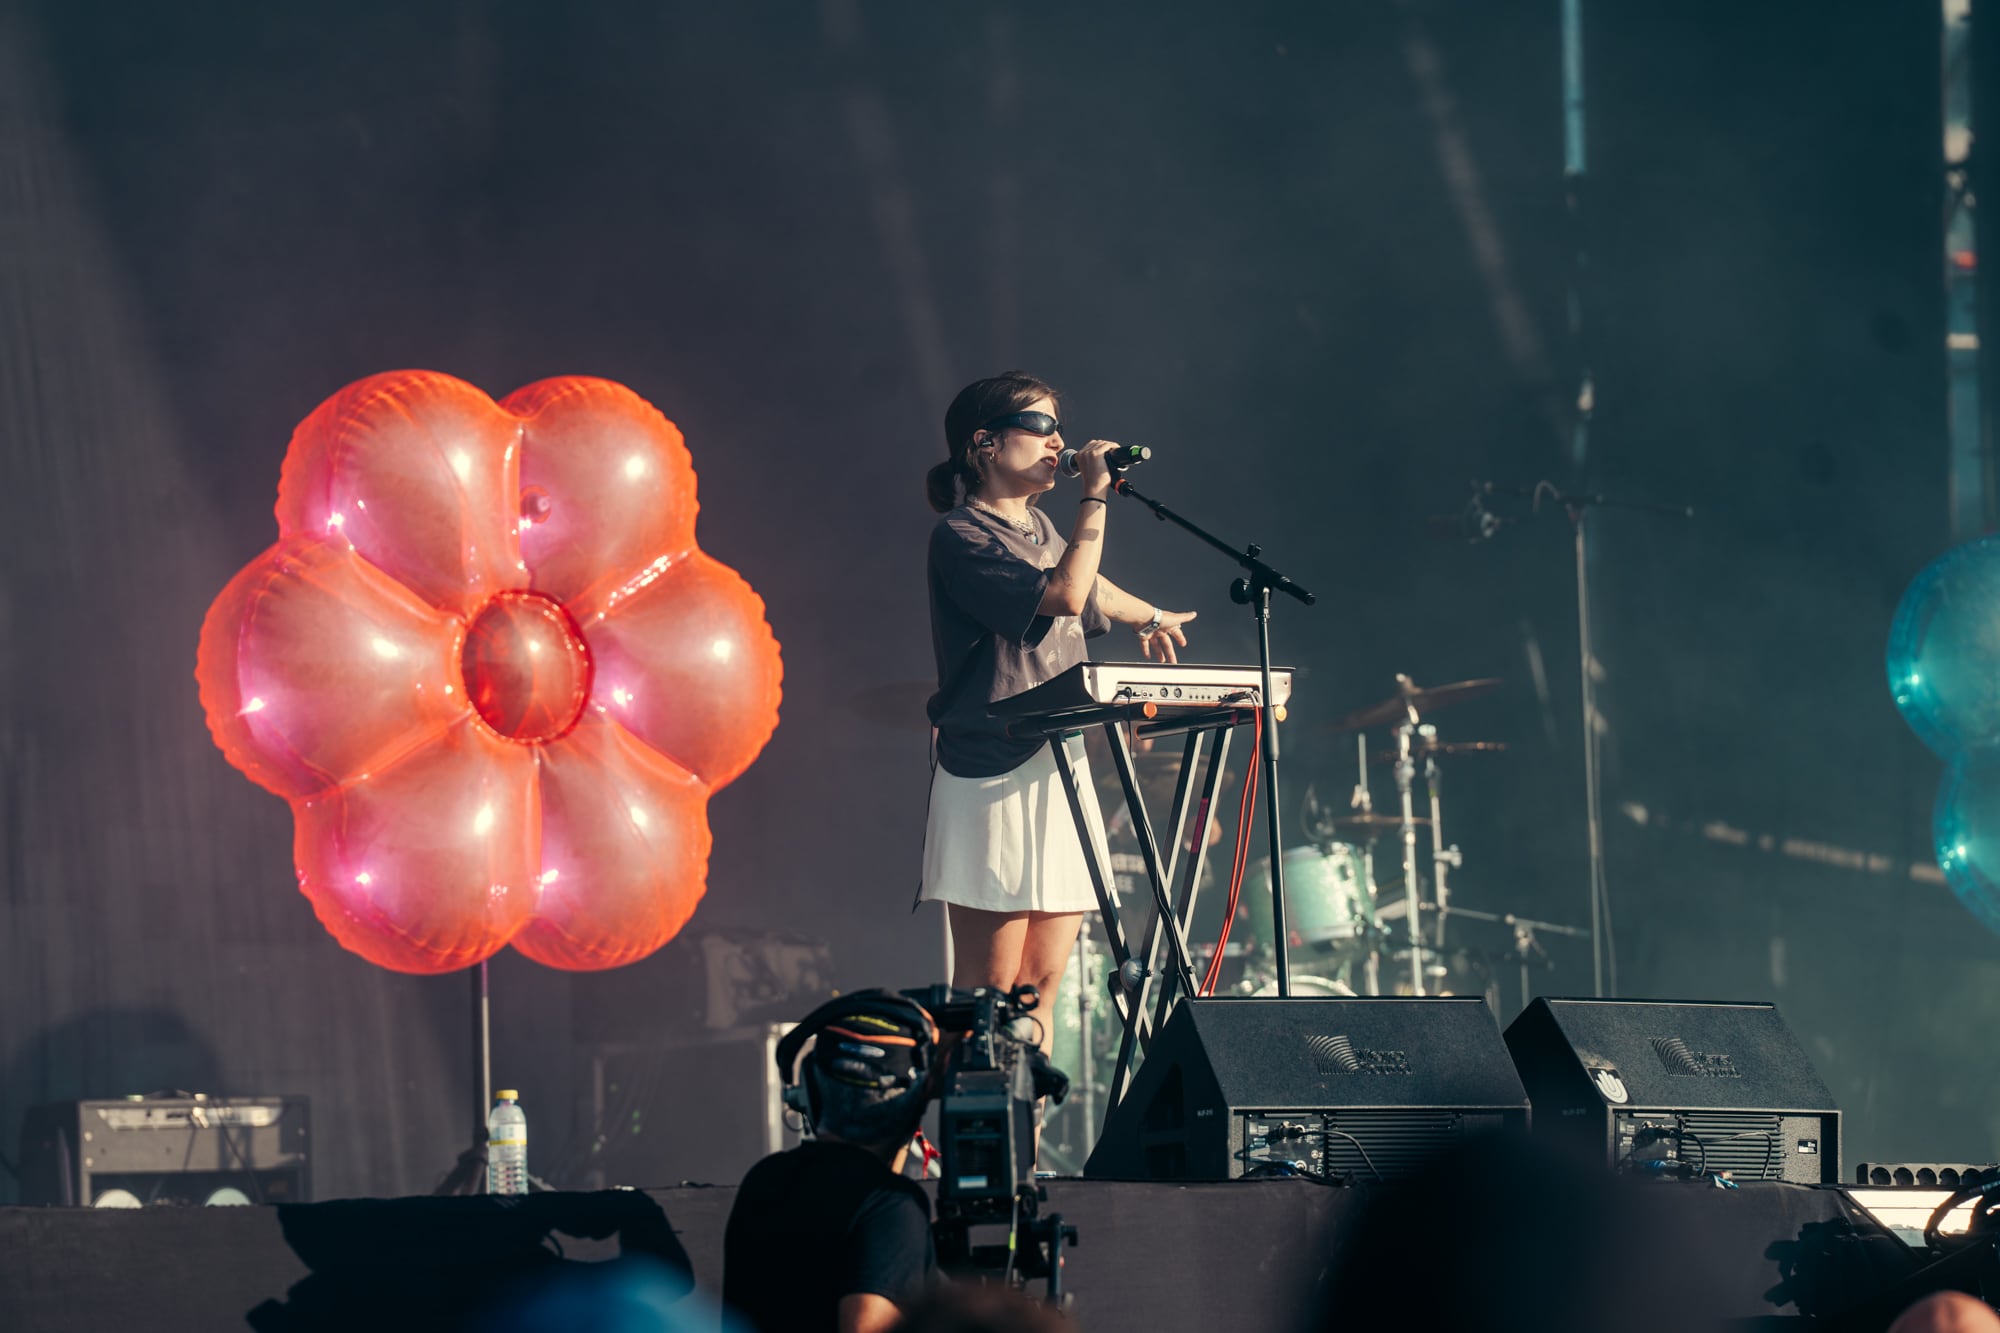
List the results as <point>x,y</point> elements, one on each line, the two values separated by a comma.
<point>1944,650</point>
<point>1966,826</point>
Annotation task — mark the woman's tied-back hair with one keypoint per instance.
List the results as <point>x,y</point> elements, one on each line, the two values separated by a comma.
<point>977,403</point>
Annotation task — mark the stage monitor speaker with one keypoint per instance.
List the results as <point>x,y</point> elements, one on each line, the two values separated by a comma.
<point>1678,1088</point>
<point>1345,1089</point>
<point>135,1151</point>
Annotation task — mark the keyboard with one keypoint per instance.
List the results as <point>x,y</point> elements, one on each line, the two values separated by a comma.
<point>1098,685</point>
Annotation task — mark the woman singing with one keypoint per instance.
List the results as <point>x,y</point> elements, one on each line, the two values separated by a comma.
<point>1011,605</point>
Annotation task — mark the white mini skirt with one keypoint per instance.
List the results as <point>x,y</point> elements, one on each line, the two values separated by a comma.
<point>1009,843</point>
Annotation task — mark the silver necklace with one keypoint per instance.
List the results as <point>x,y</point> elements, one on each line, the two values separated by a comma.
<point>1028,530</point>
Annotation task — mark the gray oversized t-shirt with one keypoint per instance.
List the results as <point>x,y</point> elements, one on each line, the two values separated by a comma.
<point>987,579</point>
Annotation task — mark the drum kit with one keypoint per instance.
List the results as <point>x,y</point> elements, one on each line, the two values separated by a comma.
<point>1368,902</point>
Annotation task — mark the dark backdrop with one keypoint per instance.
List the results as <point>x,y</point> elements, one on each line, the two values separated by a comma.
<point>1315,253</point>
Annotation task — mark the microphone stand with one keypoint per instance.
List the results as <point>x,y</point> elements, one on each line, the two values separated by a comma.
<point>1603,958</point>
<point>1253,590</point>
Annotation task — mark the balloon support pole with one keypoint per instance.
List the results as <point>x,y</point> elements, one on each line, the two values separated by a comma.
<point>468,1174</point>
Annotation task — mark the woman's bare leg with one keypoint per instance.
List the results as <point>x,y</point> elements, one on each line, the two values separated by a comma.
<point>1008,949</point>
<point>1051,937</point>
<point>986,947</point>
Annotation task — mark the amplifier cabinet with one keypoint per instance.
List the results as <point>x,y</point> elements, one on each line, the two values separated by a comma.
<point>136,1151</point>
<point>702,1110</point>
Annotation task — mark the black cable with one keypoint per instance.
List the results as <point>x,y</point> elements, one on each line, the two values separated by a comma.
<point>1933,1229</point>
<point>1261,1170</point>
<point>1770,1137</point>
<point>160,1181</point>
<point>249,1171</point>
<point>1326,1150</point>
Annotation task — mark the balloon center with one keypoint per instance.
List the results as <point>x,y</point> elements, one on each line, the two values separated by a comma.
<point>526,666</point>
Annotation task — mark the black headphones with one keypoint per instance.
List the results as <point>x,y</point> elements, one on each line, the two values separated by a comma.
<point>858,1035</point>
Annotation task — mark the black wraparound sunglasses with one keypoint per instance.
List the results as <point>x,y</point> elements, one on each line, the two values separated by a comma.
<point>1035,423</point>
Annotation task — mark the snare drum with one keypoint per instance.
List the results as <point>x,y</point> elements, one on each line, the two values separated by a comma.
<point>1328,899</point>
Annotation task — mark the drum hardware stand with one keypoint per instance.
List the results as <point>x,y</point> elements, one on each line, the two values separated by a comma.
<point>1086,1079</point>
<point>1254,591</point>
<point>1443,858</point>
<point>1363,802</point>
<point>1406,772</point>
<point>1527,947</point>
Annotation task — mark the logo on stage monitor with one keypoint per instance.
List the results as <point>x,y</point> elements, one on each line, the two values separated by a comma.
<point>1610,1085</point>
<point>1339,1055</point>
<point>1683,1061</point>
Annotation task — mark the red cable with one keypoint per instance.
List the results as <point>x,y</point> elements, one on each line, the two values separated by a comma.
<point>1241,860</point>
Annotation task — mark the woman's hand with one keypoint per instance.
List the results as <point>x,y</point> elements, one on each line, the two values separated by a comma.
<point>1160,644</point>
<point>1095,471</point>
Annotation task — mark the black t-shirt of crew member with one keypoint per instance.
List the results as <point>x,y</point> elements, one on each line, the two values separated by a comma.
<point>821,1222</point>
<point>987,580</point>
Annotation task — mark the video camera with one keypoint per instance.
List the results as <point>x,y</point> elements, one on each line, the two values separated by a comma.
<point>986,1100</point>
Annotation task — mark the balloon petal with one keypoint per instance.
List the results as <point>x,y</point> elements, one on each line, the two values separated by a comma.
<point>314,667</point>
<point>1943,643</point>
<point>420,472</point>
<point>607,485</point>
<point>1965,828</point>
<point>432,864</point>
<point>685,660</point>
<point>625,845</point>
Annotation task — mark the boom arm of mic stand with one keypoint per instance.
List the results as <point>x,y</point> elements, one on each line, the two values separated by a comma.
<point>1261,574</point>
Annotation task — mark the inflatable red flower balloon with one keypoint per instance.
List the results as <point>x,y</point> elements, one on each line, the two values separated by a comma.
<point>491,671</point>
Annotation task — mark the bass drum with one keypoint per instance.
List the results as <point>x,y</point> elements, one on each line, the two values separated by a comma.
<point>1329,902</point>
<point>1311,988</point>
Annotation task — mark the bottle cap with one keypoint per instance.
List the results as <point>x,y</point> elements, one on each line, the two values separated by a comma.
<point>506,1095</point>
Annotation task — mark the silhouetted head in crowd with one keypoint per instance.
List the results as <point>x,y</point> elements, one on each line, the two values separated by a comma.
<point>1505,1237</point>
<point>1947,1312</point>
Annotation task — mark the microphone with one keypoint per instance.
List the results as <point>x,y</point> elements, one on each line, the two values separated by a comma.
<point>1124,456</point>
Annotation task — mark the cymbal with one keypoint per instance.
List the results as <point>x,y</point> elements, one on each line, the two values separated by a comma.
<point>1372,822</point>
<point>1425,749</point>
<point>1396,708</point>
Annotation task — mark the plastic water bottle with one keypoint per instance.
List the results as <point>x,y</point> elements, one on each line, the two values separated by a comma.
<point>506,1145</point>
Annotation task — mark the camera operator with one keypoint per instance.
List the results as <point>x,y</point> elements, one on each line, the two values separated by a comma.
<point>830,1235</point>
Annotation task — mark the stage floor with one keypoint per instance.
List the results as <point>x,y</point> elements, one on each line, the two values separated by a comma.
<point>1237,1256</point>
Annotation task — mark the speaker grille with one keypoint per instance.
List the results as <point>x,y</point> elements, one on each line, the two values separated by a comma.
<point>1747,1145</point>
<point>1395,1142</point>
